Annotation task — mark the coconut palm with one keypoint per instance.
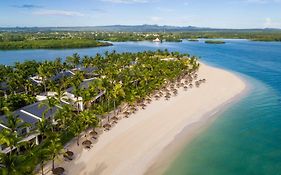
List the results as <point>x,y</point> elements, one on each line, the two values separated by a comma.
<point>54,148</point>
<point>42,155</point>
<point>44,127</point>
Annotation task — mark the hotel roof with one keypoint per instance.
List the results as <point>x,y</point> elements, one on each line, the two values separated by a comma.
<point>32,113</point>
<point>83,85</point>
<point>64,74</point>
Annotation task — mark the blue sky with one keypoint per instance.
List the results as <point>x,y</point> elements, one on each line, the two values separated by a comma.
<point>201,13</point>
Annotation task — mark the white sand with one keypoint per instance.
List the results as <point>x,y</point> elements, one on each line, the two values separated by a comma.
<point>134,144</point>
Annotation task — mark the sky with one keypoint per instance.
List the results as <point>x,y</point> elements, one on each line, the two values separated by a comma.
<point>200,13</point>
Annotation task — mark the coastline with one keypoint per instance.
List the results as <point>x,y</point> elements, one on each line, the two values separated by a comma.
<point>135,145</point>
<point>164,161</point>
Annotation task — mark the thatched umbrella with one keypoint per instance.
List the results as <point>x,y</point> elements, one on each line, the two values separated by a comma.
<point>185,88</point>
<point>68,155</point>
<point>167,97</point>
<point>143,106</point>
<point>58,170</point>
<point>134,109</point>
<point>114,118</point>
<point>190,85</point>
<point>114,122</point>
<point>126,113</point>
<point>93,133</point>
<point>148,99</point>
<point>156,97</point>
<point>87,143</point>
<point>107,126</point>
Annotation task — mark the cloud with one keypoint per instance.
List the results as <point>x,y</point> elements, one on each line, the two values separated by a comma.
<point>57,13</point>
<point>269,23</point>
<point>27,6</point>
<point>126,1</point>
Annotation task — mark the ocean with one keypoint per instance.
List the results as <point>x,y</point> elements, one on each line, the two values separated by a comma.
<point>243,140</point>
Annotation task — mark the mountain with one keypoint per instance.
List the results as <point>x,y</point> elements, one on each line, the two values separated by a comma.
<point>131,28</point>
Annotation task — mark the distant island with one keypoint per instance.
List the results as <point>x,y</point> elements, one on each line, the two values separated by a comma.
<point>52,44</point>
<point>214,42</point>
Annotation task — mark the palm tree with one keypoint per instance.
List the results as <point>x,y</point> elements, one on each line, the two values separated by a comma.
<point>11,164</point>
<point>64,117</point>
<point>45,71</point>
<point>76,127</point>
<point>50,104</point>
<point>73,60</point>
<point>13,121</point>
<point>42,155</point>
<point>116,92</point>
<point>88,118</point>
<point>54,148</point>
<point>44,127</point>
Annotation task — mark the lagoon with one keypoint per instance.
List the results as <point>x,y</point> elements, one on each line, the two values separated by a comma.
<point>245,139</point>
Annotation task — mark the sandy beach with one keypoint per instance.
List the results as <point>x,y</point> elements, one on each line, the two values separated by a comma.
<point>135,144</point>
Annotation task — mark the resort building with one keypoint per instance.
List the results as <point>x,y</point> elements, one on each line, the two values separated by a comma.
<point>157,40</point>
<point>30,116</point>
<point>64,74</point>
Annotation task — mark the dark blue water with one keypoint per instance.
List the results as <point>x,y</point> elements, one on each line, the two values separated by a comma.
<point>245,139</point>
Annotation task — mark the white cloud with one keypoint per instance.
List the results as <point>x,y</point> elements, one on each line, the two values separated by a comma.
<point>57,13</point>
<point>269,23</point>
<point>126,1</point>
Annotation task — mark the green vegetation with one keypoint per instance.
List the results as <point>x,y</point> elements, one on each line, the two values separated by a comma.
<point>51,44</point>
<point>127,78</point>
<point>76,39</point>
<point>214,42</point>
<point>15,101</point>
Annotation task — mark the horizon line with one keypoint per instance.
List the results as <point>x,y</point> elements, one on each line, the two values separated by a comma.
<point>132,25</point>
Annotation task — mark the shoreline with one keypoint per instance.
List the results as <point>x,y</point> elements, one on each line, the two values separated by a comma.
<point>183,138</point>
<point>133,146</point>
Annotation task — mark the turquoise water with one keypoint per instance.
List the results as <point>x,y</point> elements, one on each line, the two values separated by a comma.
<point>245,139</point>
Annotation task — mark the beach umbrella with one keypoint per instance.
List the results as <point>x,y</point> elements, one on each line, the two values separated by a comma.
<point>126,113</point>
<point>114,118</point>
<point>107,125</point>
<point>185,87</point>
<point>93,133</point>
<point>58,170</point>
<point>87,143</point>
<point>114,122</point>
<point>68,154</point>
